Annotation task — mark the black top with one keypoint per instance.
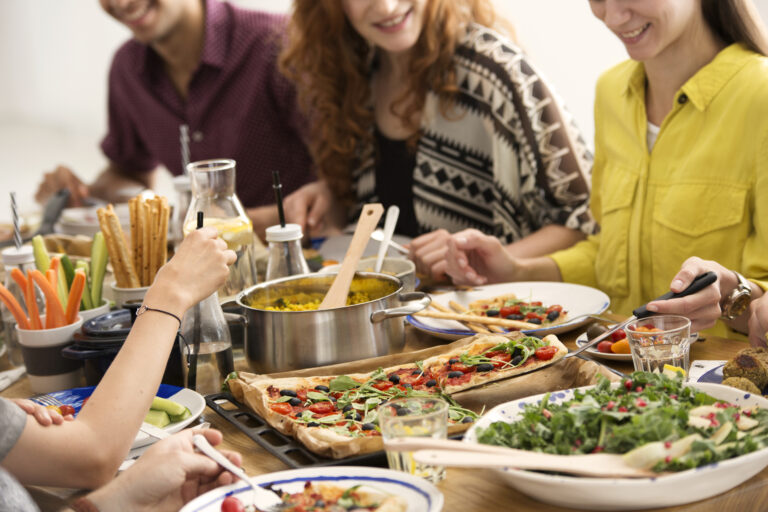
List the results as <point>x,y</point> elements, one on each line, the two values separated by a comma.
<point>395,163</point>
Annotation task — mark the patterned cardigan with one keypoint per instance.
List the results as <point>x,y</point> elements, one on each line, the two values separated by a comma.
<point>510,160</point>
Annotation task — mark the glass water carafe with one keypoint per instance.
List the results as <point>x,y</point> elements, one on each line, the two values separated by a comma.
<point>213,193</point>
<point>206,347</point>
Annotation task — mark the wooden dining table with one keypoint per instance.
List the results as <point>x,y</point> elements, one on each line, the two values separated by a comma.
<point>465,490</point>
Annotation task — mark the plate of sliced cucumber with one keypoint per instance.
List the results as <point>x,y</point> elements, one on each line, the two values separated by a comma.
<point>173,408</point>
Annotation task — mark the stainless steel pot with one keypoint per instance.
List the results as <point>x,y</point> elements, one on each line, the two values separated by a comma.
<point>288,340</point>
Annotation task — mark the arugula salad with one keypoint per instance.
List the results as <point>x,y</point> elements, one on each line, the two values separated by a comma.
<point>655,420</point>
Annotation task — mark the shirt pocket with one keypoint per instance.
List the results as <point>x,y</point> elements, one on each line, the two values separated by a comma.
<point>700,219</point>
<point>617,195</point>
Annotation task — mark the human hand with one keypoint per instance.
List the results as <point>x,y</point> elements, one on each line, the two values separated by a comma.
<point>758,322</point>
<point>309,207</point>
<point>199,267</point>
<point>473,258</point>
<point>59,178</point>
<point>428,253</point>
<point>42,414</point>
<point>167,476</point>
<point>702,308</point>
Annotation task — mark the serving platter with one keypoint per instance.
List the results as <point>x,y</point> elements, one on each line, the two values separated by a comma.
<point>192,400</point>
<point>577,300</point>
<point>420,495</point>
<point>623,493</point>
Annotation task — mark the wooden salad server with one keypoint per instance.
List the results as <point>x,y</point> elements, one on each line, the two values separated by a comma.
<point>337,294</point>
<point>445,452</point>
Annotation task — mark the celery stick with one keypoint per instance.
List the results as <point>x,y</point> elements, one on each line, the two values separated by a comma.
<point>42,258</point>
<point>62,290</point>
<point>86,302</point>
<point>98,267</point>
<point>69,269</point>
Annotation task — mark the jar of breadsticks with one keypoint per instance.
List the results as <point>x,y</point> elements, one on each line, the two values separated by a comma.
<point>213,193</point>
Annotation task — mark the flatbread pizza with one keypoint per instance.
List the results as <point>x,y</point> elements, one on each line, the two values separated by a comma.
<point>337,416</point>
<point>512,308</point>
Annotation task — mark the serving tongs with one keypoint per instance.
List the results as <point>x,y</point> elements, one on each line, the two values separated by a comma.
<point>698,284</point>
<point>445,452</point>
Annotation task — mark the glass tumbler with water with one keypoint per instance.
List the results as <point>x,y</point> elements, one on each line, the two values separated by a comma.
<point>206,347</point>
<point>414,417</point>
<point>660,340</point>
<point>285,255</point>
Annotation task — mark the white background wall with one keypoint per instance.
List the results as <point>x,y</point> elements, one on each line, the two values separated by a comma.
<point>55,56</point>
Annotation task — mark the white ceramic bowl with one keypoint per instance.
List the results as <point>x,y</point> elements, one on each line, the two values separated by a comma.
<point>88,314</point>
<point>402,268</point>
<point>420,495</point>
<point>59,373</point>
<point>625,493</point>
<point>123,295</point>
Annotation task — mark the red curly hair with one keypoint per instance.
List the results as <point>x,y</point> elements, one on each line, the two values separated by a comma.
<point>332,64</point>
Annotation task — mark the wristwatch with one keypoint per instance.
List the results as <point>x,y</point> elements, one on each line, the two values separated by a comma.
<point>737,302</point>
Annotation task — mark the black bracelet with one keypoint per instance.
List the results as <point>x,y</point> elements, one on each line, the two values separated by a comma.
<point>144,308</point>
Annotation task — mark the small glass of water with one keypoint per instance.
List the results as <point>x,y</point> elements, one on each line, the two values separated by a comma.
<point>659,340</point>
<point>414,417</point>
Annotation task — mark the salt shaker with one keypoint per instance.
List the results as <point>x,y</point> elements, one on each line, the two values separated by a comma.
<point>285,255</point>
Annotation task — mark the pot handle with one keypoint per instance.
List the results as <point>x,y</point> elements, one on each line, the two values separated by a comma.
<point>421,299</point>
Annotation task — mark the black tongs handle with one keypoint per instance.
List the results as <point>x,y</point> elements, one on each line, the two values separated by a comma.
<point>698,284</point>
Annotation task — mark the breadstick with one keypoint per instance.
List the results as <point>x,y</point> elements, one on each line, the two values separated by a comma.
<point>111,248</point>
<point>123,256</point>
<point>165,214</point>
<point>475,327</point>
<point>146,243</point>
<point>514,324</point>
<point>458,308</point>
<point>135,244</point>
<point>154,238</point>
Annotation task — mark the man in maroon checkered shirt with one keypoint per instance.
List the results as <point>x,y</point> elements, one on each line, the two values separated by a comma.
<point>213,67</point>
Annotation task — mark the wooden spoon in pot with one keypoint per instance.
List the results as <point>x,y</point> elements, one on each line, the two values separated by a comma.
<point>337,294</point>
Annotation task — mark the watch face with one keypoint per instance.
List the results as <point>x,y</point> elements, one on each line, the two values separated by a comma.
<point>740,305</point>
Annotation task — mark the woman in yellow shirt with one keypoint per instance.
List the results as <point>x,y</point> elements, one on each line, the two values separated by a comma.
<point>681,167</point>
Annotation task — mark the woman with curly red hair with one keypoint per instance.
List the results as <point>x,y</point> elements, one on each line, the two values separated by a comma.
<point>421,104</point>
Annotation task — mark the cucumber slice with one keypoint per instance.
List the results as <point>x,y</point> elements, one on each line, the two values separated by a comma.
<point>169,406</point>
<point>157,418</point>
<point>181,417</point>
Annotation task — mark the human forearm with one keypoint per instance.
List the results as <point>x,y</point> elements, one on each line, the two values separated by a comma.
<point>112,181</point>
<point>546,240</point>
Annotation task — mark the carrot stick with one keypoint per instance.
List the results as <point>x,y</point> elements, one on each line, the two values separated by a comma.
<point>50,316</point>
<point>75,294</point>
<point>30,299</point>
<point>53,305</point>
<point>20,279</point>
<point>14,307</point>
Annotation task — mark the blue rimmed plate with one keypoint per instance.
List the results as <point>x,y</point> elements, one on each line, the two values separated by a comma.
<point>577,300</point>
<point>191,399</point>
<point>420,495</point>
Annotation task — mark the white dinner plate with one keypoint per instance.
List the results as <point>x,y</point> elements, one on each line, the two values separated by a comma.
<point>592,351</point>
<point>192,400</point>
<point>577,301</point>
<point>84,221</point>
<point>629,493</point>
<point>420,495</point>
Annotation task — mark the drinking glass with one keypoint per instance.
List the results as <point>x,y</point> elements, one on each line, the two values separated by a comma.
<point>659,340</point>
<point>414,417</point>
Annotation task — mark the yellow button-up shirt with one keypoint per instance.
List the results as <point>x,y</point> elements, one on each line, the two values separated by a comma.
<point>702,190</point>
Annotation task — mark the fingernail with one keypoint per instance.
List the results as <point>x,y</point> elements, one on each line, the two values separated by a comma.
<point>461,240</point>
<point>469,275</point>
<point>677,284</point>
<point>652,307</point>
<point>462,262</point>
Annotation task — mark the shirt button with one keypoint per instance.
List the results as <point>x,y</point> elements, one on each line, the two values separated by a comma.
<point>197,136</point>
<point>682,98</point>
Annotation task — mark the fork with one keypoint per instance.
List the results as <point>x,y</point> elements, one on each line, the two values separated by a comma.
<point>46,400</point>
<point>265,499</point>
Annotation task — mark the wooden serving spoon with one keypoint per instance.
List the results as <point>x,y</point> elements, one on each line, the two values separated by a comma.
<point>337,294</point>
<point>445,452</point>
